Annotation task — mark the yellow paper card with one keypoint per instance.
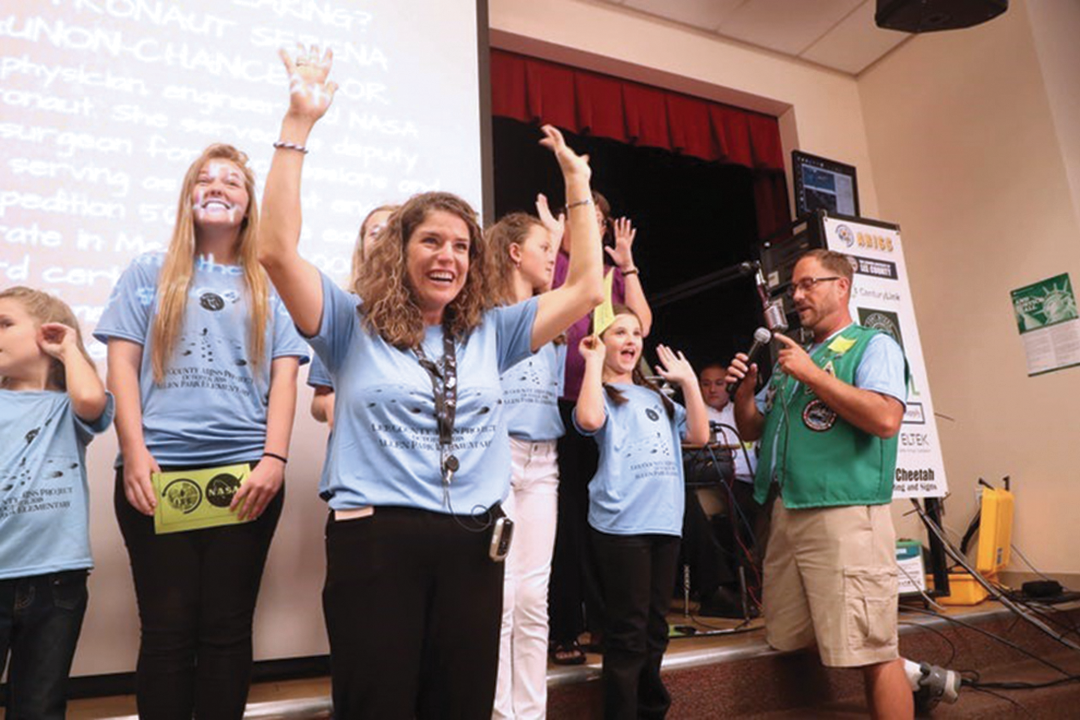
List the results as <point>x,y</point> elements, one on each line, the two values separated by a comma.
<point>195,499</point>
<point>604,314</point>
<point>841,345</point>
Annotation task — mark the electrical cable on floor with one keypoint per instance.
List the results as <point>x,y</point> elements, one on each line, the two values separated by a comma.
<point>1028,563</point>
<point>998,638</point>
<point>943,636</point>
<point>993,591</point>
<point>978,684</point>
<point>980,688</point>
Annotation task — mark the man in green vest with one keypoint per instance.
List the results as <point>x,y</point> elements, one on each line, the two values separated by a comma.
<point>828,422</point>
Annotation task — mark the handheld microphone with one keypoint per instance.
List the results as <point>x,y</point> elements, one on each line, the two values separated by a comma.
<point>762,337</point>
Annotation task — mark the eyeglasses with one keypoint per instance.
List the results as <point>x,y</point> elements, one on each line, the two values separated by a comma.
<point>807,284</point>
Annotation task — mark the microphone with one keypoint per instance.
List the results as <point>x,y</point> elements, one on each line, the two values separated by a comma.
<point>762,337</point>
<point>773,309</point>
<point>774,317</point>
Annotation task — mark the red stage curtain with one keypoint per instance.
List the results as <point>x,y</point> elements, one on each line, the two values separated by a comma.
<point>538,91</point>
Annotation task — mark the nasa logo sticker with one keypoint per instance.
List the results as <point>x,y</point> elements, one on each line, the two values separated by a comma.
<point>221,489</point>
<point>212,301</point>
<point>818,416</point>
<point>183,495</point>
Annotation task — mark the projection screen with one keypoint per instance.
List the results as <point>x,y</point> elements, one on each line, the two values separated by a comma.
<point>104,103</point>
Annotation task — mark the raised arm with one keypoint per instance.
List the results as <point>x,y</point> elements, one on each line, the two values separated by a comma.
<point>84,387</point>
<point>623,256</point>
<point>584,286</point>
<point>589,411</point>
<point>676,369</point>
<point>297,281</point>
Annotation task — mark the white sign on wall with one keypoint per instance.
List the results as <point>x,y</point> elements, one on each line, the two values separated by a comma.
<point>881,298</point>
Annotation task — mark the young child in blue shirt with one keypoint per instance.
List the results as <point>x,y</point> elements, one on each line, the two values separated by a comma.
<point>52,403</point>
<point>636,504</point>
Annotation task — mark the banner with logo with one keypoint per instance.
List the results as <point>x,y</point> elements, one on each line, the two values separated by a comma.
<point>881,298</point>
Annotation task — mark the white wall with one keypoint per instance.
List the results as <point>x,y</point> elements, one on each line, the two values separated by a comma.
<point>968,158</point>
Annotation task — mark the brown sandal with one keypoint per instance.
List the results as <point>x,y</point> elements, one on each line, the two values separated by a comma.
<point>567,653</point>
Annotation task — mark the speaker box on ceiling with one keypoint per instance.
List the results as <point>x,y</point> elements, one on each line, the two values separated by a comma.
<point>919,16</point>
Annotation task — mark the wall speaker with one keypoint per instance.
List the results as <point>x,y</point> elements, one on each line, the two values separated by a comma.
<point>919,16</point>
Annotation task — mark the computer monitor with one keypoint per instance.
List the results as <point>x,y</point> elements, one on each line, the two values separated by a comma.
<point>823,184</point>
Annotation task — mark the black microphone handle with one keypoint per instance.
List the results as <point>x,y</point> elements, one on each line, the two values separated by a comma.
<point>754,350</point>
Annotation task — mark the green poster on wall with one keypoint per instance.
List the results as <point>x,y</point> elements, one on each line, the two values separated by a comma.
<point>1049,324</point>
<point>1045,303</point>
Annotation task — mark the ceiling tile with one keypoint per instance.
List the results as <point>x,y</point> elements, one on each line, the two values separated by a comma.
<point>855,43</point>
<point>705,14</point>
<point>787,26</point>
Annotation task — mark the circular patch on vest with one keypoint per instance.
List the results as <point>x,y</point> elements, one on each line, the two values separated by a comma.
<point>653,415</point>
<point>212,301</point>
<point>221,489</point>
<point>818,416</point>
<point>183,495</point>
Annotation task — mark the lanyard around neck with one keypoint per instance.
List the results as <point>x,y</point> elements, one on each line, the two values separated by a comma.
<point>444,388</point>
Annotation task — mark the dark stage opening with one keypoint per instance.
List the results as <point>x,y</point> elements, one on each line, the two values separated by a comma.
<point>693,218</point>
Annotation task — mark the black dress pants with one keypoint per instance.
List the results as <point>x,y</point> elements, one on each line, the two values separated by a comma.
<point>636,572</point>
<point>413,608</point>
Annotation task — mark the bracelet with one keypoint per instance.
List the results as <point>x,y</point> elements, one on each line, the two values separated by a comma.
<point>282,145</point>
<point>284,461</point>
<point>631,271</point>
<point>579,203</point>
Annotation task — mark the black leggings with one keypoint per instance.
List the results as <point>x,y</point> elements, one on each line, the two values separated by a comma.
<point>196,592</point>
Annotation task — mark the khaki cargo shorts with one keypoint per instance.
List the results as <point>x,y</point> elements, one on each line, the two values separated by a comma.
<point>830,576</point>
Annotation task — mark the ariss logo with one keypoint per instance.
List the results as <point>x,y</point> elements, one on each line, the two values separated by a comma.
<point>844,233</point>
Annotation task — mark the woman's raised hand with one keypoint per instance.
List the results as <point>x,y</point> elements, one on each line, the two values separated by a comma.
<point>623,254</point>
<point>310,94</point>
<point>571,164</point>
<point>555,226</point>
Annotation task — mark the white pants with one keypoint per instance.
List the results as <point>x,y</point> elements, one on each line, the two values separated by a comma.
<point>521,691</point>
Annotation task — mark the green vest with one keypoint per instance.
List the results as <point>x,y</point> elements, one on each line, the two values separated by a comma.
<point>819,459</point>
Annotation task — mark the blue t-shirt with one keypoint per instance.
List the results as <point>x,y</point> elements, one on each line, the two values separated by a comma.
<point>531,391</point>
<point>639,487</point>
<point>384,450</point>
<point>44,496</point>
<point>317,375</point>
<point>211,408</point>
